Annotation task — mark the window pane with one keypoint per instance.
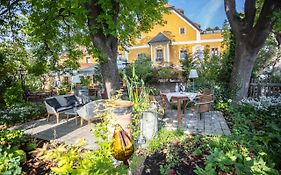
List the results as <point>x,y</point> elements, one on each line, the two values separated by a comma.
<point>159,55</point>
<point>182,30</point>
<point>183,54</point>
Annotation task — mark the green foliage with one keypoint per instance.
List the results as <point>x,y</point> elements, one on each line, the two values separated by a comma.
<point>12,138</point>
<point>10,154</point>
<point>165,73</point>
<point>9,163</point>
<point>85,81</point>
<point>162,139</point>
<point>65,88</point>
<point>253,147</point>
<point>22,114</point>
<point>143,69</point>
<point>75,160</point>
<point>14,95</point>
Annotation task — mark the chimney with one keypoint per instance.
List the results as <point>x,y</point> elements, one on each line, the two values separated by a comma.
<point>181,11</point>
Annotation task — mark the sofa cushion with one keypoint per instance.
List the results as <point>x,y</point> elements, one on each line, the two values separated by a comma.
<point>53,102</point>
<point>64,108</point>
<point>72,100</point>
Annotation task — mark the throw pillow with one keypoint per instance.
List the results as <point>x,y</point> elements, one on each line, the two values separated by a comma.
<point>71,100</point>
<point>54,103</point>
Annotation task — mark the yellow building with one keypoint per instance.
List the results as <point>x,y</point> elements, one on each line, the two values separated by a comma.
<point>169,43</point>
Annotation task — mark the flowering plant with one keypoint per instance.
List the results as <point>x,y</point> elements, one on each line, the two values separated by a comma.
<point>263,103</point>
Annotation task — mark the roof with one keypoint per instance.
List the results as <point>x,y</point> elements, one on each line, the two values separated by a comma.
<point>85,65</point>
<point>159,38</point>
<point>187,19</point>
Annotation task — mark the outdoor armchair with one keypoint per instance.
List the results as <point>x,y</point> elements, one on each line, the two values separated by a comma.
<point>204,104</point>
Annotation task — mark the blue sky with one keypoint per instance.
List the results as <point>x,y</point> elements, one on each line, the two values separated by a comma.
<point>208,13</point>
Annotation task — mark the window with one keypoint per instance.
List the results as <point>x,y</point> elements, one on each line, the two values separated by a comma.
<point>138,36</point>
<point>141,55</point>
<point>215,51</point>
<point>182,30</point>
<point>159,55</point>
<point>198,52</point>
<point>183,54</point>
<point>88,60</point>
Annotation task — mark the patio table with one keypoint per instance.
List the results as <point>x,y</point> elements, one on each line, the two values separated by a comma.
<point>181,96</point>
<point>73,112</point>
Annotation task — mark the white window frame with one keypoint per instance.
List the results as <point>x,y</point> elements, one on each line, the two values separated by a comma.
<point>182,49</point>
<point>163,53</point>
<point>88,60</point>
<point>198,48</point>
<point>217,53</point>
<point>140,55</point>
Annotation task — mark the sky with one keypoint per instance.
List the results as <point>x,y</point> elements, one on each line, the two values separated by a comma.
<point>207,13</point>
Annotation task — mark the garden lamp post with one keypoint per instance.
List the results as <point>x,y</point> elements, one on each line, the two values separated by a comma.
<point>192,75</point>
<point>21,72</point>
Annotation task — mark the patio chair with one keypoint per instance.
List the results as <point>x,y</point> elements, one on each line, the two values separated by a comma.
<point>91,111</point>
<point>204,104</point>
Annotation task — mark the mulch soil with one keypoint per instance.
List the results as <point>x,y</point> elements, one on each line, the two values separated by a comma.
<point>33,165</point>
<point>186,164</point>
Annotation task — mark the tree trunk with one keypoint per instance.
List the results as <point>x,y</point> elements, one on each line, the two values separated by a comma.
<point>244,60</point>
<point>106,44</point>
<point>108,62</point>
<point>110,75</point>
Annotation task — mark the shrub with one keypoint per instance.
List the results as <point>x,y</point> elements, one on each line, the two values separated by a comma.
<point>143,69</point>
<point>165,73</point>
<point>13,95</point>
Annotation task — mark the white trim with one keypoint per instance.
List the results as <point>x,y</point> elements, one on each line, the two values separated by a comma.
<point>179,43</point>
<point>127,55</point>
<point>138,47</point>
<point>168,53</point>
<point>197,31</point>
<point>197,42</point>
<point>151,54</point>
<point>183,48</point>
<point>155,53</point>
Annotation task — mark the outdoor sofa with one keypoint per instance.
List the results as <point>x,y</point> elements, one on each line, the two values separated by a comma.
<point>59,104</point>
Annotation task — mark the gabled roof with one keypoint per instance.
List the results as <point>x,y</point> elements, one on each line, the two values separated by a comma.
<point>159,38</point>
<point>185,18</point>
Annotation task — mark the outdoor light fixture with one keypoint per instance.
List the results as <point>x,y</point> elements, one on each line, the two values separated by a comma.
<point>22,72</point>
<point>192,75</point>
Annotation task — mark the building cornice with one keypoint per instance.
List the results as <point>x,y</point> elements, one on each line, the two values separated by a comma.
<point>179,43</point>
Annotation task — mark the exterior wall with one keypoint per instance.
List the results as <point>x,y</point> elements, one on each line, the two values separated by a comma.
<point>207,36</point>
<point>170,29</point>
<point>192,39</point>
<point>92,59</point>
<point>133,54</point>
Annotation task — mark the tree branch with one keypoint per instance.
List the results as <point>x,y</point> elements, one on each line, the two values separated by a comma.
<point>9,7</point>
<point>250,13</point>
<point>234,20</point>
<point>264,24</point>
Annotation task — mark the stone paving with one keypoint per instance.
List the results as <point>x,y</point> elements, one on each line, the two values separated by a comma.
<point>212,123</point>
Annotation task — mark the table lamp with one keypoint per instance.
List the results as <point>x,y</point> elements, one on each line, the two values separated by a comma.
<point>193,74</point>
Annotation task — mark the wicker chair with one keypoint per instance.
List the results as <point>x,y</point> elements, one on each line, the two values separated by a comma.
<point>204,104</point>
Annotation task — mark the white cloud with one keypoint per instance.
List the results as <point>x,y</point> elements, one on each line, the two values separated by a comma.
<point>209,12</point>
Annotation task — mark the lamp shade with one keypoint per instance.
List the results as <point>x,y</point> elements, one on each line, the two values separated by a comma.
<point>193,74</point>
<point>76,79</point>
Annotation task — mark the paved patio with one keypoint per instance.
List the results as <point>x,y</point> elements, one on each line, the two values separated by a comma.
<point>70,133</point>
<point>211,123</point>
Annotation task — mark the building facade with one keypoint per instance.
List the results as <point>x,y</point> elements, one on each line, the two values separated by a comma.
<point>178,39</point>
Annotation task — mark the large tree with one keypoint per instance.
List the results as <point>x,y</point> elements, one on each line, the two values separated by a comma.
<point>250,31</point>
<point>100,25</point>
